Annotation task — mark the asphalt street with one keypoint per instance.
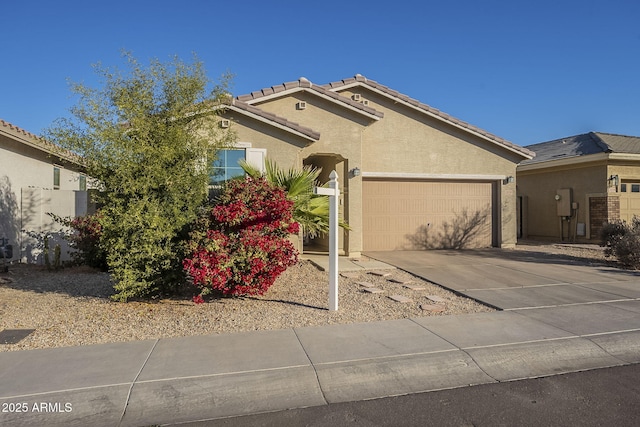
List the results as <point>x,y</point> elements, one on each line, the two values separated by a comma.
<point>601,397</point>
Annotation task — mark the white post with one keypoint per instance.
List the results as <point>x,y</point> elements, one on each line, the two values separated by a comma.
<point>333,241</point>
<point>334,193</point>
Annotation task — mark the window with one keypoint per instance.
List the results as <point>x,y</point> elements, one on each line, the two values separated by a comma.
<point>635,188</point>
<point>227,166</point>
<point>56,178</point>
<point>623,188</point>
<point>83,183</point>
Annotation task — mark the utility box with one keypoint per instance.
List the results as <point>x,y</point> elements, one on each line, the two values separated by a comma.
<point>563,201</point>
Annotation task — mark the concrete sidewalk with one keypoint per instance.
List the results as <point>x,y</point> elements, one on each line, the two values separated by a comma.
<point>177,380</point>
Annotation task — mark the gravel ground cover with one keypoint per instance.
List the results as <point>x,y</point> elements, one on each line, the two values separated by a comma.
<point>72,306</point>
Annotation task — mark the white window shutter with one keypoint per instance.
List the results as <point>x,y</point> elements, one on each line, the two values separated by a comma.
<point>256,157</point>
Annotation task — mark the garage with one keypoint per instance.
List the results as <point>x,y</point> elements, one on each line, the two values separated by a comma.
<point>629,201</point>
<point>401,214</point>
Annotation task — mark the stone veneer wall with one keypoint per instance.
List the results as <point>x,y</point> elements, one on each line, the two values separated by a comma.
<point>602,209</point>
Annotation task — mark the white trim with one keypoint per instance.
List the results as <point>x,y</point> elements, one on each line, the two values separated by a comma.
<point>256,157</point>
<point>240,144</point>
<point>435,176</point>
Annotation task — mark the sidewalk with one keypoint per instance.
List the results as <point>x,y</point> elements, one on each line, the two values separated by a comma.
<point>177,380</point>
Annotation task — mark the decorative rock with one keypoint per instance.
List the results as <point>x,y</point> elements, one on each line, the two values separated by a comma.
<point>400,298</point>
<point>350,275</point>
<point>366,284</point>
<point>435,298</point>
<point>401,281</point>
<point>432,307</point>
<point>373,290</point>
<point>380,273</point>
<point>415,287</point>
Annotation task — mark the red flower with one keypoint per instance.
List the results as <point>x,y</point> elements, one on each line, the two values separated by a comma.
<point>245,246</point>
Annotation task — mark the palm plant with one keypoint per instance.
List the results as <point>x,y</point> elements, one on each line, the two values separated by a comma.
<point>311,211</point>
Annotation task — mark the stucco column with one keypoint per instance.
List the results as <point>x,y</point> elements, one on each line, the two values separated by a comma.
<point>507,204</point>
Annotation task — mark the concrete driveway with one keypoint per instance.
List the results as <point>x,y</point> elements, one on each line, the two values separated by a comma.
<point>566,292</point>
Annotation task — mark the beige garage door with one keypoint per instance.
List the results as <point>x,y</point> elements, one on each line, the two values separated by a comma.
<point>404,215</point>
<point>629,206</point>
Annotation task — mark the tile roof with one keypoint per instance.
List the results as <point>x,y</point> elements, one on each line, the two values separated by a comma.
<point>243,106</point>
<point>35,141</point>
<point>359,79</point>
<point>620,143</point>
<point>583,145</point>
<point>304,84</point>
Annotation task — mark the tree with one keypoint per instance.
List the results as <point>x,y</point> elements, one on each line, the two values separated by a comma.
<point>148,136</point>
<point>311,211</point>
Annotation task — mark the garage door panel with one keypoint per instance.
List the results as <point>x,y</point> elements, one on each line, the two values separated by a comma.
<point>629,206</point>
<point>400,214</point>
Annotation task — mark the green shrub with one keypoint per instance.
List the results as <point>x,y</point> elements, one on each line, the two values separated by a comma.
<point>622,240</point>
<point>147,137</point>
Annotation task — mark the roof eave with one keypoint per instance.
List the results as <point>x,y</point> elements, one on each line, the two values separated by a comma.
<point>568,161</point>
<point>523,152</point>
<point>311,90</point>
<point>35,142</point>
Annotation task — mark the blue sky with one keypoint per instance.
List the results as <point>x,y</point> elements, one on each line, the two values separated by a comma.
<point>526,71</point>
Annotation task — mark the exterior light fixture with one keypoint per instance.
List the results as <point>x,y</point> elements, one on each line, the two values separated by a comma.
<point>355,172</point>
<point>508,180</point>
<point>613,180</point>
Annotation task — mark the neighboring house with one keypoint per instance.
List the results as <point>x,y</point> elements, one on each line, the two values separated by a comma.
<point>36,178</point>
<point>575,184</point>
<point>411,176</point>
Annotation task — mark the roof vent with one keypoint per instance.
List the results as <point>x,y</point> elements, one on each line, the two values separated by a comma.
<point>356,97</point>
<point>224,123</point>
<point>365,102</point>
<point>301,105</point>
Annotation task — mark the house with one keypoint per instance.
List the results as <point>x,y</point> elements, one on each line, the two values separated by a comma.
<point>36,177</point>
<point>411,176</point>
<point>577,183</point>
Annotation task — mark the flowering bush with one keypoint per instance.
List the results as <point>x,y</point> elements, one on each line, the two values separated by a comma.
<point>240,246</point>
<point>86,239</point>
<point>85,235</point>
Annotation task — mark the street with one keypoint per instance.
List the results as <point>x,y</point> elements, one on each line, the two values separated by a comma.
<point>602,397</point>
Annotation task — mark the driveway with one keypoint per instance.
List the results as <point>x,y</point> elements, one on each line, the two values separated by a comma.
<point>519,280</point>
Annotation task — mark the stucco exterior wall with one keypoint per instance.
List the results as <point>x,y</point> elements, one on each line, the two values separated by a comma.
<point>282,147</point>
<point>28,167</point>
<point>407,141</point>
<point>539,186</point>
<point>403,140</point>
<point>626,170</point>
<point>428,147</point>
<point>341,134</point>
<point>27,193</point>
